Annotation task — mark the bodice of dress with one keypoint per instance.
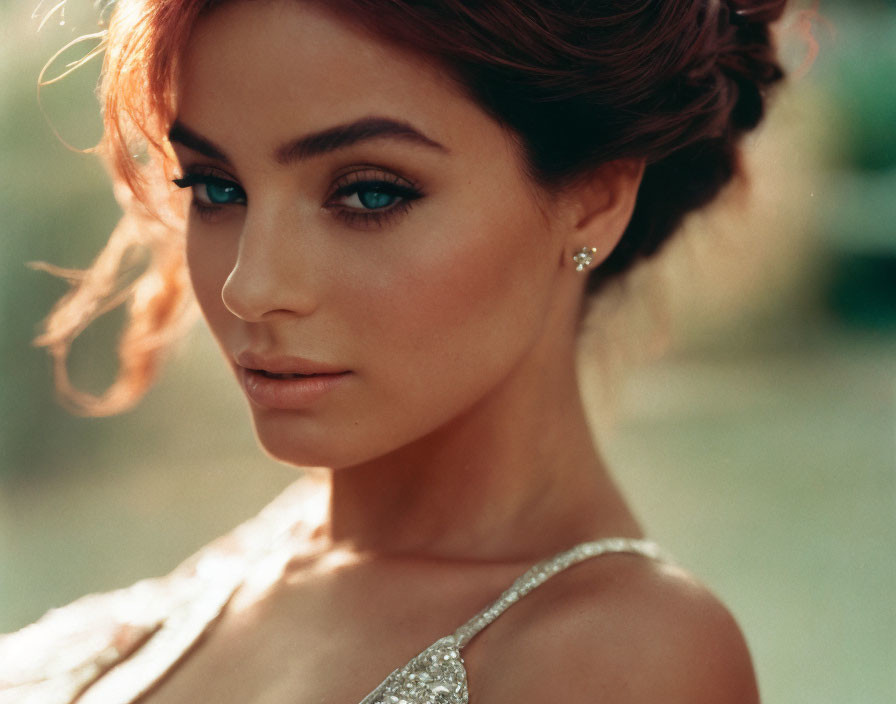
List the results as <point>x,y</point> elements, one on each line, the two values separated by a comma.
<point>112,648</point>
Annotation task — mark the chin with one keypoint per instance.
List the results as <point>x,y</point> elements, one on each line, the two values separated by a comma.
<point>295,443</point>
<point>304,441</point>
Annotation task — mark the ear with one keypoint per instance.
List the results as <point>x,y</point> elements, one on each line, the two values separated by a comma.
<point>601,206</point>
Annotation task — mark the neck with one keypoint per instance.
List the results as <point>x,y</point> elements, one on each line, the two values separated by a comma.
<point>514,478</point>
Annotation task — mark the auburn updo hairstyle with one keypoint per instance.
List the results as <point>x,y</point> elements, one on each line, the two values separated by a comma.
<point>676,83</point>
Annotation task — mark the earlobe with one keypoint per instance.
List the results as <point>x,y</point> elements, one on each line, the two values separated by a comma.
<point>604,203</point>
<point>584,258</point>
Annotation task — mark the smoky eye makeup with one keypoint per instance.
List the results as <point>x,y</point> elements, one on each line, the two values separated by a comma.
<point>372,197</point>
<point>368,197</point>
<point>211,192</point>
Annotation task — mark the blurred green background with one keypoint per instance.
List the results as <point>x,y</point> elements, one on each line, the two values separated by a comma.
<point>743,386</point>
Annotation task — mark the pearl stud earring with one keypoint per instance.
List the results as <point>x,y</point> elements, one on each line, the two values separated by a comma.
<point>584,258</point>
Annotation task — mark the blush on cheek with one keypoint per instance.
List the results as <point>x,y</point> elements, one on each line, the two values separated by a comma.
<point>478,296</point>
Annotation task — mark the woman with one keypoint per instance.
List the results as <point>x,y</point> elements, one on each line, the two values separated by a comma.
<point>397,211</point>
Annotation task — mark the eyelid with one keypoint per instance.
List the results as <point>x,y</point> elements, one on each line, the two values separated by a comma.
<point>405,190</point>
<point>374,174</point>
<point>195,178</point>
<point>362,178</point>
<point>203,205</point>
<point>355,181</point>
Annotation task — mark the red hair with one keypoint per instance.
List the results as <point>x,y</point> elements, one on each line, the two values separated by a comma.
<point>141,43</point>
<point>674,82</point>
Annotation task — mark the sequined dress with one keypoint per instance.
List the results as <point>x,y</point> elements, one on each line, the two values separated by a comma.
<point>113,648</point>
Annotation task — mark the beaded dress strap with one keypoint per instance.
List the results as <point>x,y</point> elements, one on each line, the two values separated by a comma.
<point>438,674</point>
<point>542,571</point>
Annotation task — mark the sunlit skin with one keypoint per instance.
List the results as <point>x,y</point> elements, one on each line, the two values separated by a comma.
<point>455,450</point>
<point>456,317</point>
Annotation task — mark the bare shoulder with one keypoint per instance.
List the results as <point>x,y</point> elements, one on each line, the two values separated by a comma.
<point>620,629</point>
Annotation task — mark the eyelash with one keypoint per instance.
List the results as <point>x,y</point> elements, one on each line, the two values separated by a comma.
<point>191,179</point>
<point>353,183</point>
<point>389,184</point>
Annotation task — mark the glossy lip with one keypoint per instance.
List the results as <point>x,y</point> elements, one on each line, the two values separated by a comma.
<point>290,394</point>
<point>296,393</point>
<point>283,364</point>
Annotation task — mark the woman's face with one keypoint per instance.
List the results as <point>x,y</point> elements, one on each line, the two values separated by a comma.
<point>358,221</point>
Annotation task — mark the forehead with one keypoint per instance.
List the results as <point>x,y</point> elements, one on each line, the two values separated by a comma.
<point>284,65</point>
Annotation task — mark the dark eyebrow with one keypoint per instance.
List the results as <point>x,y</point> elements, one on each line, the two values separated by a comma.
<point>346,135</point>
<point>313,144</point>
<point>181,134</point>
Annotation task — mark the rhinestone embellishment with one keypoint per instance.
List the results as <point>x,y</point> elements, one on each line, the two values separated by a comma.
<point>584,258</point>
<point>435,676</point>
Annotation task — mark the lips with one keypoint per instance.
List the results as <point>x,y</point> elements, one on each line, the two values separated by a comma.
<point>274,375</point>
<point>288,383</point>
<point>285,367</point>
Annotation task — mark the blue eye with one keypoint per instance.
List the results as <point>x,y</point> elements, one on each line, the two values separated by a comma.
<point>220,193</point>
<point>372,198</point>
<point>373,195</point>
<point>376,197</point>
<point>212,191</point>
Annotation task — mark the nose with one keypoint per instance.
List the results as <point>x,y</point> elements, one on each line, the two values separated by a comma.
<point>273,272</point>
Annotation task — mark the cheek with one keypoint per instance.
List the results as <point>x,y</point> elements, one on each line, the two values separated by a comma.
<point>465,303</point>
<point>209,261</point>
